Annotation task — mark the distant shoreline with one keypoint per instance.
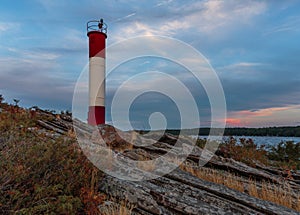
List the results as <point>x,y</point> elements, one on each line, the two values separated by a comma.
<point>283,131</point>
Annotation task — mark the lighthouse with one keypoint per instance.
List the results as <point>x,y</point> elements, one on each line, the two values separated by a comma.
<point>97,34</point>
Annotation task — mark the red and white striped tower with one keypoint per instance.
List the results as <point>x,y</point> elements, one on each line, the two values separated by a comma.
<point>96,31</point>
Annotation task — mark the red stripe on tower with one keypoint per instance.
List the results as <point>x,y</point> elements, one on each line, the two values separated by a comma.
<point>96,31</point>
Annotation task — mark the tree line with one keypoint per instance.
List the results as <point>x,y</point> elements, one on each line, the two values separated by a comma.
<point>285,131</point>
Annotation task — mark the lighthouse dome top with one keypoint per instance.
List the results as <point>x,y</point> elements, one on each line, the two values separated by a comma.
<point>96,26</point>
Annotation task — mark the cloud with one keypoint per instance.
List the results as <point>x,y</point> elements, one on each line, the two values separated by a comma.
<point>34,55</point>
<point>207,17</point>
<point>260,93</point>
<point>265,117</point>
<point>216,15</point>
<point>258,71</point>
<point>163,3</point>
<point>249,71</point>
<point>243,64</point>
<point>4,27</point>
<point>232,122</point>
<point>125,17</point>
<point>138,28</point>
<point>168,18</point>
<point>35,80</point>
<point>262,112</point>
<point>9,27</point>
<point>290,24</point>
<point>259,85</point>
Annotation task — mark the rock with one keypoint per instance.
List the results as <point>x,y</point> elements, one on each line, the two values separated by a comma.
<point>181,193</point>
<point>177,192</point>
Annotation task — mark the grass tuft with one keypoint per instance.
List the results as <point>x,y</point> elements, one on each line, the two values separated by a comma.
<point>279,194</point>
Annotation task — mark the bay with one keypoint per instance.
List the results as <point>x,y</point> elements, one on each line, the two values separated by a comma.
<point>259,140</point>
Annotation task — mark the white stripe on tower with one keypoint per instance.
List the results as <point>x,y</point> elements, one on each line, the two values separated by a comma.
<point>97,81</point>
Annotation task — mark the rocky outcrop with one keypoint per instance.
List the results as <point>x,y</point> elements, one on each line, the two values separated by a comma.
<point>181,193</point>
<point>177,192</point>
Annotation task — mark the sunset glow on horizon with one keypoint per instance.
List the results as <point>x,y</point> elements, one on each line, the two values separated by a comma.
<point>279,116</point>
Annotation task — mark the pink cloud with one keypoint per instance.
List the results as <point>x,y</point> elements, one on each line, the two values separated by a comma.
<point>265,117</point>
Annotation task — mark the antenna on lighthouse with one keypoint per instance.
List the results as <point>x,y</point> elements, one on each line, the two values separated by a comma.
<point>97,33</point>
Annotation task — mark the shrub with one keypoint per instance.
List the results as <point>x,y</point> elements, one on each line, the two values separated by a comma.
<point>40,175</point>
<point>245,151</point>
<point>286,154</point>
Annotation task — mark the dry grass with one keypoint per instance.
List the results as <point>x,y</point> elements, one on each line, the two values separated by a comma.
<point>40,175</point>
<point>279,194</point>
<point>229,180</point>
<point>148,165</point>
<point>71,133</point>
<point>124,208</point>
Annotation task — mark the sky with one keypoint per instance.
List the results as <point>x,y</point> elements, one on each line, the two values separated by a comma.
<point>253,46</point>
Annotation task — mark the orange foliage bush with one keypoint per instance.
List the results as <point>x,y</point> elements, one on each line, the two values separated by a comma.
<point>245,151</point>
<point>42,175</point>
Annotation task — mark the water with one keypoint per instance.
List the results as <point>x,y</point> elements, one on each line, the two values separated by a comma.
<point>259,140</point>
